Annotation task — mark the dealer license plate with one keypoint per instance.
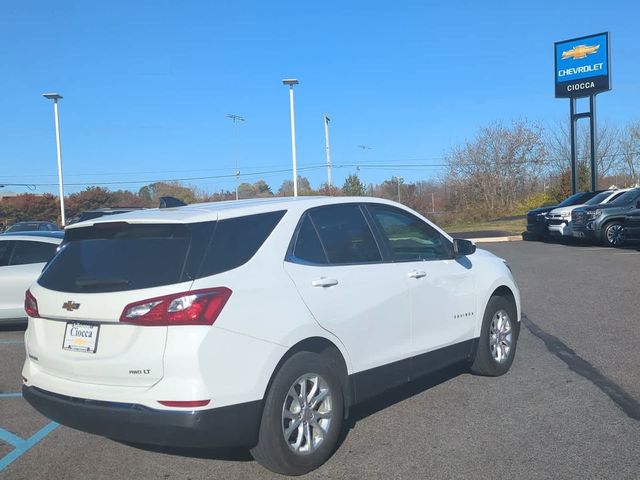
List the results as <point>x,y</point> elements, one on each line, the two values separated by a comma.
<point>81,337</point>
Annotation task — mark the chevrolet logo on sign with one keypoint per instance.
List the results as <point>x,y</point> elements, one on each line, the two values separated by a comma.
<point>580,51</point>
<point>70,305</point>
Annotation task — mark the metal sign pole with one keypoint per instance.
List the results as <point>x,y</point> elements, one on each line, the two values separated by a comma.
<point>572,134</point>
<point>594,143</point>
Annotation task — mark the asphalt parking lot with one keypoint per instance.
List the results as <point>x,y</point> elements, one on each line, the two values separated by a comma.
<point>569,407</point>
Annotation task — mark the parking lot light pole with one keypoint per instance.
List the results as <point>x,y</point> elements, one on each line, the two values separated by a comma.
<point>327,150</point>
<point>291,82</point>
<point>55,97</point>
<point>235,119</point>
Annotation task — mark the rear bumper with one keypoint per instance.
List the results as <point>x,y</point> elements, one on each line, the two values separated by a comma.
<point>230,426</point>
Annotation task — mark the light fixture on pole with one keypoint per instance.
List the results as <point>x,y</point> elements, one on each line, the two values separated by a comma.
<point>55,97</point>
<point>364,148</point>
<point>326,143</point>
<point>291,82</point>
<point>235,119</point>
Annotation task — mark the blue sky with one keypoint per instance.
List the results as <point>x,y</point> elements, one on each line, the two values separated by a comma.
<point>147,84</point>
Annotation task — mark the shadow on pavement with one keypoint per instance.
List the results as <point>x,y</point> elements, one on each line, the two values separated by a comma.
<point>357,413</point>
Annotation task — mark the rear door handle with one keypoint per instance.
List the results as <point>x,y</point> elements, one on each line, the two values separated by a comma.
<point>324,282</point>
<point>417,274</point>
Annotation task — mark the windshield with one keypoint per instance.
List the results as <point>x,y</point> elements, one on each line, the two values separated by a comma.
<point>601,197</point>
<point>23,227</point>
<point>627,197</point>
<point>574,199</point>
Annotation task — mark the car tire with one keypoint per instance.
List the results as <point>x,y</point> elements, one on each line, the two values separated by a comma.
<point>498,338</point>
<point>289,421</point>
<point>613,234</point>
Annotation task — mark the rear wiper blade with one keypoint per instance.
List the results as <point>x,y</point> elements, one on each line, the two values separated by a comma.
<point>86,282</point>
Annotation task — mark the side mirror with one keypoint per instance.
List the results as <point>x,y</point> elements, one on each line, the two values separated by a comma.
<point>462,248</point>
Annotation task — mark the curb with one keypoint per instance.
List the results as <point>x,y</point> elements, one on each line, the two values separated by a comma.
<point>512,238</point>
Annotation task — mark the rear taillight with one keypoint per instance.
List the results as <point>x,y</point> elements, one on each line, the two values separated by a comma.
<point>198,307</point>
<point>31,305</point>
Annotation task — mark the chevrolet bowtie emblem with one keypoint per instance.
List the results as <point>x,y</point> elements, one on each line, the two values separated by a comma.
<point>70,305</point>
<point>580,51</point>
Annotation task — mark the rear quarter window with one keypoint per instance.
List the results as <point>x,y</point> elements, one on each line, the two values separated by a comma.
<point>237,240</point>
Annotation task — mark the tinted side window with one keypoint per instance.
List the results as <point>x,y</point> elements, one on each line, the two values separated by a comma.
<point>5,252</point>
<point>26,252</point>
<point>236,240</point>
<point>410,239</point>
<point>308,247</point>
<point>345,234</point>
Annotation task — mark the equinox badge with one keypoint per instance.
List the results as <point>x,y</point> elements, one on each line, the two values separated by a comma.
<point>70,305</point>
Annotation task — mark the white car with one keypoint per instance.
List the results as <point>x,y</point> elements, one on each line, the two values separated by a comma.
<point>22,257</point>
<point>559,219</point>
<point>257,323</point>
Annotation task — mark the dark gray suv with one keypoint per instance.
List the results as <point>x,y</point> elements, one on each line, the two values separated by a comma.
<point>605,223</point>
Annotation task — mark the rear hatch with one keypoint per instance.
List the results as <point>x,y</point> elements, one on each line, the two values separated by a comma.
<point>82,293</point>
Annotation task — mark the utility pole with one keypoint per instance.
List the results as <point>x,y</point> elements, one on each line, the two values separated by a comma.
<point>235,119</point>
<point>291,82</point>
<point>327,149</point>
<point>399,180</point>
<point>55,97</point>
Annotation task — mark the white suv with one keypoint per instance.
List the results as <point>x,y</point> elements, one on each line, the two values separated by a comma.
<point>257,323</point>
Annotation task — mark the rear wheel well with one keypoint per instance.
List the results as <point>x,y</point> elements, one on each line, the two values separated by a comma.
<point>330,352</point>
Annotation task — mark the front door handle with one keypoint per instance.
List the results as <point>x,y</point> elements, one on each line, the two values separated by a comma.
<point>417,274</point>
<point>324,282</point>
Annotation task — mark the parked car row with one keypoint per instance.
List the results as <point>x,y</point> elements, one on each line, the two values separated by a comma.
<point>608,217</point>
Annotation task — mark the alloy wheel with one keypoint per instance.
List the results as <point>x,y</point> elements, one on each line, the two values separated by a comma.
<point>500,336</point>
<point>306,414</point>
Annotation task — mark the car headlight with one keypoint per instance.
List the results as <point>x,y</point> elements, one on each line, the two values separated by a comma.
<point>565,215</point>
<point>594,213</point>
<point>542,216</point>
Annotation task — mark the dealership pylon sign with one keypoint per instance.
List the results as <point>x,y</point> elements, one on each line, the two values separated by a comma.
<point>582,66</point>
<point>583,69</point>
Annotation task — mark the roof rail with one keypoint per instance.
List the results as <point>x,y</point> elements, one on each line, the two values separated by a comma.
<point>170,202</point>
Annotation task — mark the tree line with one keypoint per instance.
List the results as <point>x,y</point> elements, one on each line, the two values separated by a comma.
<point>505,169</point>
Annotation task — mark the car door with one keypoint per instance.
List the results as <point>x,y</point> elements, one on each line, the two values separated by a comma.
<point>27,259</point>
<point>442,290</point>
<point>337,267</point>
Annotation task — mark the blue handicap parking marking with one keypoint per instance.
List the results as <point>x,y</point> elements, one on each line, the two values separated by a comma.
<point>21,446</point>
<point>10,394</point>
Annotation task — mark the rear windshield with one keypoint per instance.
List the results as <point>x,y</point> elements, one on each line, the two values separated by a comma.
<point>120,256</point>
<point>117,256</point>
